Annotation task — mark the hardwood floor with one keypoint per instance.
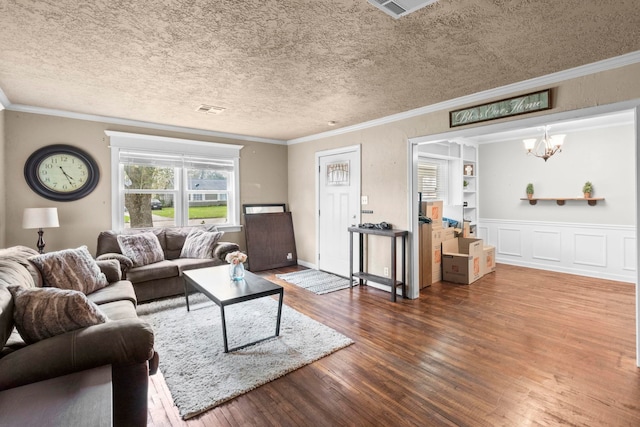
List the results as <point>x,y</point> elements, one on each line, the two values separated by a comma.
<point>520,347</point>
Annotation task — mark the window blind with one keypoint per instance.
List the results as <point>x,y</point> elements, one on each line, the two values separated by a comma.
<point>168,160</point>
<point>432,179</point>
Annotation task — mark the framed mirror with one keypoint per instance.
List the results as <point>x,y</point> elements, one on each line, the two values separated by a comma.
<point>260,208</point>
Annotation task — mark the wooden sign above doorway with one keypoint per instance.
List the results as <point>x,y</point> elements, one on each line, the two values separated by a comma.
<point>523,104</point>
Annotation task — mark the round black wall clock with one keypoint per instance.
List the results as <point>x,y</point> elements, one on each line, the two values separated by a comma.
<point>61,172</point>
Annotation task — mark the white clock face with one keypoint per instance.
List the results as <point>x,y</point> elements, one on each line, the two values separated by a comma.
<point>63,173</point>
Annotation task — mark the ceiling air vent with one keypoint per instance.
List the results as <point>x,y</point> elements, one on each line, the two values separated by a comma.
<point>398,8</point>
<point>209,109</point>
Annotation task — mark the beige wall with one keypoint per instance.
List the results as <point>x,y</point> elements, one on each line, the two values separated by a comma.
<point>385,154</point>
<point>269,173</point>
<point>263,176</point>
<point>604,156</point>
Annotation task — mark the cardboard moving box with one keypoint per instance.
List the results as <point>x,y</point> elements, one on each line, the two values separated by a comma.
<point>433,210</point>
<point>488,262</point>
<point>424,258</point>
<point>461,259</point>
<point>431,253</point>
<point>439,236</point>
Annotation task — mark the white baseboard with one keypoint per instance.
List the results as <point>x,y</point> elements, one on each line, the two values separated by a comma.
<point>307,264</point>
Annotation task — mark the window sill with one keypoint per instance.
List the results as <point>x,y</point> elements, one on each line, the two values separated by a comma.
<point>229,228</point>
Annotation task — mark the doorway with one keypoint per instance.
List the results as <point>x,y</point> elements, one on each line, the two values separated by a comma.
<point>512,128</point>
<point>338,191</point>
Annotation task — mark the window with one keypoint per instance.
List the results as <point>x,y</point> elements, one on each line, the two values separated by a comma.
<point>433,179</point>
<point>163,182</point>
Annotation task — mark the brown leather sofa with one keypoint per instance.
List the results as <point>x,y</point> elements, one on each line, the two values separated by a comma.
<point>164,278</point>
<point>125,342</point>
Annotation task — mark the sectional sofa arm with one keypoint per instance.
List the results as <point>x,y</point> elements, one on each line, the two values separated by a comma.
<point>223,248</point>
<point>111,269</point>
<point>119,342</point>
<point>125,262</point>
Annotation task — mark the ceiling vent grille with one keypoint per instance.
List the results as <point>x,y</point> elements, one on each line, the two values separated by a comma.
<point>209,109</point>
<point>399,8</point>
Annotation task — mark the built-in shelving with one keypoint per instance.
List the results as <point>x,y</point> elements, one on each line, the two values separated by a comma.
<point>460,194</point>
<point>591,201</point>
<point>469,191</point>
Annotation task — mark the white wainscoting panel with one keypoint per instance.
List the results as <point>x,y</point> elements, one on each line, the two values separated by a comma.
<point>630,254</point>
<point>510,241</point>
<point>590,249</point>
<point>547,245</point>
<point>595,250</point>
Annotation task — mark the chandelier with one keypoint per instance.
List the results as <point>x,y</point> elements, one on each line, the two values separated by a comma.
<point>545,147</point>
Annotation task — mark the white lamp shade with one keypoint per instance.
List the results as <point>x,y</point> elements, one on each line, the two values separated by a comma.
<point>40,218</point>
<point>529,143</point>
<point>557,140</point>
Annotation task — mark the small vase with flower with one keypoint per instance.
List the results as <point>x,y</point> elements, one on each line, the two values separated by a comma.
<point>236,266</point>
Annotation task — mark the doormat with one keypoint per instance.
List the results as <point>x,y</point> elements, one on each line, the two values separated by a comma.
<point>316,281</point>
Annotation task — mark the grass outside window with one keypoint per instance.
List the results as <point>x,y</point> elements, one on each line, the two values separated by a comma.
<point>195,212</point>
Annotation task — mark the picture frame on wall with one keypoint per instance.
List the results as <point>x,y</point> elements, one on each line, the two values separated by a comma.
<point>468,169</point>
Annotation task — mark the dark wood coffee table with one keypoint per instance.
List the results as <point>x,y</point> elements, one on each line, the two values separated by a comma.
<point>215,283</point>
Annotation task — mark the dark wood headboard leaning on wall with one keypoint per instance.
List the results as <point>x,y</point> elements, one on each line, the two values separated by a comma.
<point>270,240</point>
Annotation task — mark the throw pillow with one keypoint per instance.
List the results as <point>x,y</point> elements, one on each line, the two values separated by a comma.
<point>41,313</point>
<point>141,248</point>
<point>13,273</point>
<point>200,243</point>
<point>71,269</point>
<point>21,255</point>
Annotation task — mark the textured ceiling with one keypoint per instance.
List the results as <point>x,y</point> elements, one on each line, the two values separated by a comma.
<point>284,68</point>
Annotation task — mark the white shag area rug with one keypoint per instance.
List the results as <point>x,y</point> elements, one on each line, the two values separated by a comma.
<point>319,282</point>
<point>201,376</point>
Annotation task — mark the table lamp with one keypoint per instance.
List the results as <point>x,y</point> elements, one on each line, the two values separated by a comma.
<point>40,218</point>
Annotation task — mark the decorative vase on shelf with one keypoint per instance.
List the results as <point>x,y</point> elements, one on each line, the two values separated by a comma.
<point>236,271</point>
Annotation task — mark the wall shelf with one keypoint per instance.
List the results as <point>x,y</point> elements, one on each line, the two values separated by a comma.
<point>591,201</point>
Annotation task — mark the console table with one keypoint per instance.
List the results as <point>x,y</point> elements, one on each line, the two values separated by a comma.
<point>388,281</point>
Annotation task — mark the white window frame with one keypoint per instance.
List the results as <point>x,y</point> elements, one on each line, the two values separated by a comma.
<point>160,144</point>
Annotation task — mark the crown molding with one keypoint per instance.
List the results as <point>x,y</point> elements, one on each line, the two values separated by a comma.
<point>526,85</point>
<point>136,123</point>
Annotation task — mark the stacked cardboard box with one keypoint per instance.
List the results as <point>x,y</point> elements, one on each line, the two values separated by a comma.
<point>488,262</point>
<point>425,259</point>
<point>431,239</point>
<point>468,230</point>
<point>433,210</point>
<point>444,256</point>
<point>438,237</point>
<point>461,260</point>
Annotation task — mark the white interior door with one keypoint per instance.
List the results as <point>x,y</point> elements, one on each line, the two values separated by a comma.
<point>338,207</point>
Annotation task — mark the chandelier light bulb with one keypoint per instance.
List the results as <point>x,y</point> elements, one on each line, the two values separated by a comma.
<point>545,147</point>
<point>529,144</point>
<point>557,140</point>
